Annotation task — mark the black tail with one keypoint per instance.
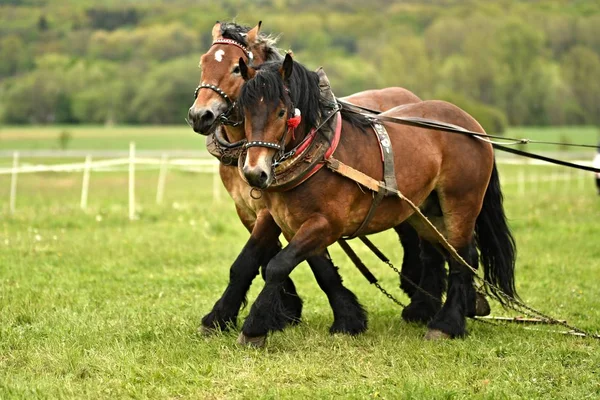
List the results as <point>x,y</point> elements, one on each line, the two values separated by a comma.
<point>495,242</point>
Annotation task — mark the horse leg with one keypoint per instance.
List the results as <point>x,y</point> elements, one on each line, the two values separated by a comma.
<point>268,312</point>
<point>427,300</point>
<point>260,248</point>
<point>411,263</point>
<point>450,321</point>
<point>481,307</point>
<point>349,316</point>
<point>291,300</point>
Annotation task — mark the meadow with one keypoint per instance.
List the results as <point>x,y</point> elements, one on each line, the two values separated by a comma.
<point>182,138</point>
<point>93,305</point>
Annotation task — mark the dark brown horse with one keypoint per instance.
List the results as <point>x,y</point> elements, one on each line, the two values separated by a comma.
<point>452,178</point>
<point>220,86</point>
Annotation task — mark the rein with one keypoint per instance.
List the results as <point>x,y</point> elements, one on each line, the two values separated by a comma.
<point>450,128</point>
<point>512,302</point>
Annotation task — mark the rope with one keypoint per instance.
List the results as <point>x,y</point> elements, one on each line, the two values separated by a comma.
<point>451,128</point>
<point>433,123</point>
<point>509,301</point>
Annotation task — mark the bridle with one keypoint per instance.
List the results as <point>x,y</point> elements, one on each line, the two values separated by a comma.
<point>225,117</point>
<point>291,124</point>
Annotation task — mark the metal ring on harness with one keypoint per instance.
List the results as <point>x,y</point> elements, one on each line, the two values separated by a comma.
<point>253,191</point>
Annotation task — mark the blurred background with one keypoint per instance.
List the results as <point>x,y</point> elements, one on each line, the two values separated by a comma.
<point>84,80</point>
<point>510,63</point>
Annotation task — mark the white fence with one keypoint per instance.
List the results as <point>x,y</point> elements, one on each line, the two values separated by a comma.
<point>129,164</point>
<point>525,181</point>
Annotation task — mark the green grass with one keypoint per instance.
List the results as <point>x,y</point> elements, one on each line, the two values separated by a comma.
<point>561,134</point>
<point>183,138</point>
<point>95,306</point>
<point>95,137</point>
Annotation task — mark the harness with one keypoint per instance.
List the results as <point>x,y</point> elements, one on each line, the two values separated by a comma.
<point>292,168</point>
<point>315,151</point>
<point>389,184</point>
<point>224,118</point>
<point>307,158</point>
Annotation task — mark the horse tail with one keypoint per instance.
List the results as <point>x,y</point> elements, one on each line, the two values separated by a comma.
<point>495,242</point>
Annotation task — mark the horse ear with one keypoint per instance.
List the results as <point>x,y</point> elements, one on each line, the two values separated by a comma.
<point>216,31</point>
<point>287,67</point>
<point>253,34</point>
<point>246,71</point>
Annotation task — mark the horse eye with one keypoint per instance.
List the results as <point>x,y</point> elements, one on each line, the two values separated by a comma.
<point>236,70</point>
<point>281,113</point>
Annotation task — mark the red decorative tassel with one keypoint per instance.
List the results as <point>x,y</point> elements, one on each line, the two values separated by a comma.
<point>293,122</point>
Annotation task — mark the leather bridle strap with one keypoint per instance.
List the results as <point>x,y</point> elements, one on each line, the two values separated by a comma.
<point>230,104</point>
<point>236,44</point>
<point>216,89</point>
<point>260,143</point>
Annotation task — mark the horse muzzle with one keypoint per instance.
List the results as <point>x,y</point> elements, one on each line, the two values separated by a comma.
<point>258,177</point>
<point>201,120</point>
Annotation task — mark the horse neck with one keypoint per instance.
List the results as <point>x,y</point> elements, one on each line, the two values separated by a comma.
<point>234,133</point>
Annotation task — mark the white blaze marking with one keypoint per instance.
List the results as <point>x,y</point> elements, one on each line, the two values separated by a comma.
<point>219,55</point>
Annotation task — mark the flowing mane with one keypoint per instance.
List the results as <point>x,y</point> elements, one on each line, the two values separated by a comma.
<point>304,93</point>
<point>233,31</point>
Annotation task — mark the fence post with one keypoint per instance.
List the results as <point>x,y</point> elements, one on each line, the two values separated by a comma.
<point>131,181</point>
<point>216,184</point>
<point>13,182</point>
<point>162,177</point>
<point>86,182</point>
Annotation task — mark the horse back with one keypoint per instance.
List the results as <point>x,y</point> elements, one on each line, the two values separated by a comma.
<point>383,99</point>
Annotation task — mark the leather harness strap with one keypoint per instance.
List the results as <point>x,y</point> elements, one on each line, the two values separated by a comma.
<point>308,157</point>
<point>389,176</point>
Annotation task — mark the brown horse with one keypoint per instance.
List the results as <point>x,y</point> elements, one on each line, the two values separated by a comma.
<point>221,81</point>
<point>453,178</point>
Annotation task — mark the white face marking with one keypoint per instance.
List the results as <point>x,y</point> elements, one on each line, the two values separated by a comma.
<point>219,55</point>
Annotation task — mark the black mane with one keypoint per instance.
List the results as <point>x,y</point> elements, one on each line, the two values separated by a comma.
<point>233,31</point>
<point>304,93</point>
<point>268,85</point>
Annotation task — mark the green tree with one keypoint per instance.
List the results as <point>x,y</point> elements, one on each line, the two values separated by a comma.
<point>12,55</point>
<point>581,70</point>
<point>521,50</point>
<point>165,93</point>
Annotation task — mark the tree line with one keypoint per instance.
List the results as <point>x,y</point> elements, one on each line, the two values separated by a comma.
<point>506,62</point>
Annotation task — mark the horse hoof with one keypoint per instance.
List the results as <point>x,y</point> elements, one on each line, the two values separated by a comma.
<point>482,307</point>
<point>435,334</point>
<point>207,331</point>
<point>256,342</point>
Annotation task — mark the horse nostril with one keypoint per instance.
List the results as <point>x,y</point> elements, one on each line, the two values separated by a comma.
<point>208,116</point>
<point>263,176</point>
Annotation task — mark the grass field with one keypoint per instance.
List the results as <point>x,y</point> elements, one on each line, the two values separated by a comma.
<point>183,138</point>
<point>95,306</point>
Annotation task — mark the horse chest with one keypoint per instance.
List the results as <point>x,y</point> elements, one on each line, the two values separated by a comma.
<point>240,191</point>
<point>289,219</point>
